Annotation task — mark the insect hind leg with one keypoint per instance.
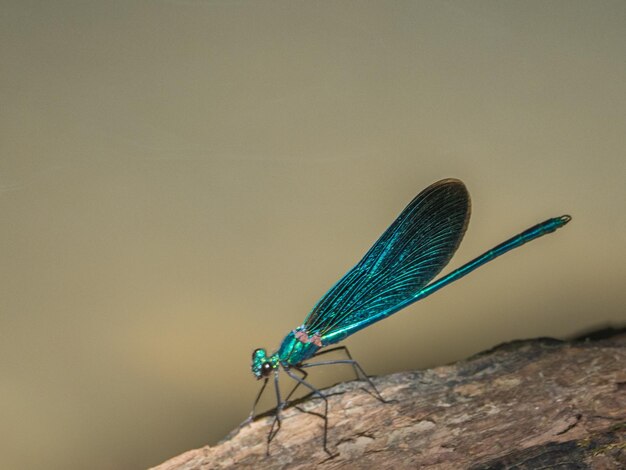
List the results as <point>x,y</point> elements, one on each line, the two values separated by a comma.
<point>356,366</point>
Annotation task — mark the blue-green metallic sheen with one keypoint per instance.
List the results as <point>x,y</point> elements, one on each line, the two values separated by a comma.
<point>394,273</point>
<point>293,351</point>
<point>536,231</point>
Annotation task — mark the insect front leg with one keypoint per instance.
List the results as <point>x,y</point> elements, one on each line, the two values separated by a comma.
<point>277,419</point>
<point>256,402</point>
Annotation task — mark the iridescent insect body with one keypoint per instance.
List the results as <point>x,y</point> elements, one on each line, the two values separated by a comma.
<point>393,274</point>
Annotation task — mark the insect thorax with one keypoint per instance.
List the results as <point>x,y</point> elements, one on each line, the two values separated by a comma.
<point>298,346</point>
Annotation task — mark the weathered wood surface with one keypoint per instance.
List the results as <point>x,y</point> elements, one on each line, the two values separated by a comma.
<point>523,405</point>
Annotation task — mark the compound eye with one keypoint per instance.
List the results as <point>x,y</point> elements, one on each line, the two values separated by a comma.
<point>266,368</point>
<point>259,352</point>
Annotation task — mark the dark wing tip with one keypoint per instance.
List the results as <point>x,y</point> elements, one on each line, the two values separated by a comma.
<point>410,253</point>
<point>457,186</point>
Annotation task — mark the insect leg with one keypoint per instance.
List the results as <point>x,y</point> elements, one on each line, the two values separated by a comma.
<point>304,376</point>
<point>344,349</point>
<point>319,394</point>
<point>256,402</point>
<point>280,406</point>
<point>277,420</point>
<point>355,365</point>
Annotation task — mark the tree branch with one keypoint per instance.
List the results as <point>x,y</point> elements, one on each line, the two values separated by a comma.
<point>529,404</point>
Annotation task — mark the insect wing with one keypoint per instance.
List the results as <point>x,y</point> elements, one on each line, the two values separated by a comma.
<point>411,252</point>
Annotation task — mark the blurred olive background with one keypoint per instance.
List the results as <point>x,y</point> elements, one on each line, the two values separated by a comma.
<point>180,181</point>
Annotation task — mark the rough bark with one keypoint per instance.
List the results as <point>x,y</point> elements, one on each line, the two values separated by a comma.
<point>530,404</point>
